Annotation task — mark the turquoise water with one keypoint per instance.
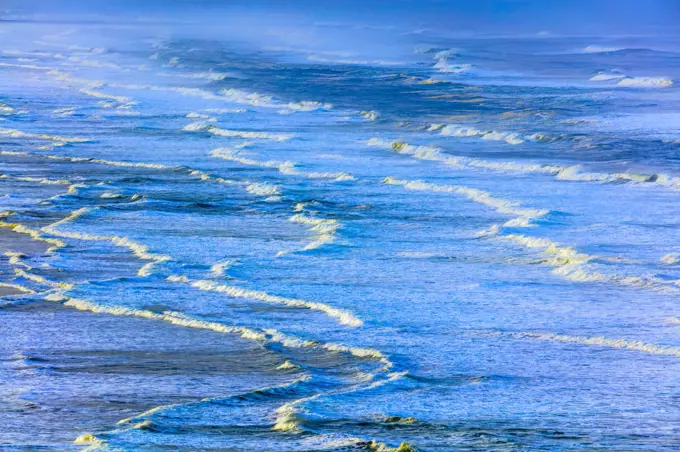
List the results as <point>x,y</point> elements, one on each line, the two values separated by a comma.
<point>418,242</point>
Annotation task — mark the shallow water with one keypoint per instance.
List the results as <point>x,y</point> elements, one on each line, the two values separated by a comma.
<point>462,243</point>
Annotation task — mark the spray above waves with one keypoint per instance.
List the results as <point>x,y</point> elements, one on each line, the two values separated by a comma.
<point>444,64</point>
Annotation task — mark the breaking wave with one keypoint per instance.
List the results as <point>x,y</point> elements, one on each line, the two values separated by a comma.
<point>560,172</point>
<point>633,82</point>
<point>209,128</point>
<point>288,168</point>
<point>344,317</point>
<point>600,341</point>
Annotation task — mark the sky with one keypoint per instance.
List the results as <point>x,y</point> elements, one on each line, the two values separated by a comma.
<point>559,17</point>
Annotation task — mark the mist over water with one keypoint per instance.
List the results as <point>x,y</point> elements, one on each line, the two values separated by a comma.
<point>385,226</point>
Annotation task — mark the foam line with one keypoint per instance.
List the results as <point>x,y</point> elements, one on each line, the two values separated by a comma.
<point>342,316</point>
<point>22,289</point>
<point>175,318</point>
<point>214,130</point>
<point>569,263</point>
<point>139,250</point>
<point>560,172</point>
<point>600,341</point>
<point>40,180</point>
<point>35,234</point>
<point>286,167</point>
<point>324,230</point>
<point>479,196</point>
<point>14,133</point>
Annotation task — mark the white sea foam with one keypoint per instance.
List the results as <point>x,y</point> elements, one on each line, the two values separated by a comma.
<point>6,110</point>
<point>212,129</point>
<point>599,341</point>
<point>100,95</point>
<point>194,115</point>
<point>220,269</point>
<point>319,59</point>
<point>324,230</point>
<point>139,250</point>
<point>226,95</point>
<point>633,82</point>
<point>448,68</point>
<point>39,180</point>
<point>571,265</point>
<point>225,110</point>
<point>646,82</point>
<point>561,172</point>
<point>256,188</point>
<point>59,140</point>
<point>600,49</point>
<point>671,259</point>
<point>35,234</point>
<point>42,280</point>
<point>262,100</point>
<point>435,154</point>
<point>444,65</point>
<point>17,287</point>
<point>180,319</point>
<point>285,167</point>
<point>262,189</point>
<point>489,135</point>
<point>344,317</point>
<point>606,77</point>
<point>213,76</point>
<point>502,206</point>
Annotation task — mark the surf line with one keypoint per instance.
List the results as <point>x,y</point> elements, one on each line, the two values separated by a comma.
<point>139,250</point>
<point>343,317</point>
<point>566,261</point>
<point>262,336</point>
<point>254,188</point>
<point>559,172</point>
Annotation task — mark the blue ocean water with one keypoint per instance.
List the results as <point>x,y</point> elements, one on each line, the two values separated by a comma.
<point>337,237</point>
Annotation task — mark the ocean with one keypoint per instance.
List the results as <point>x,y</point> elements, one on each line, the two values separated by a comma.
<point>416,240</point>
